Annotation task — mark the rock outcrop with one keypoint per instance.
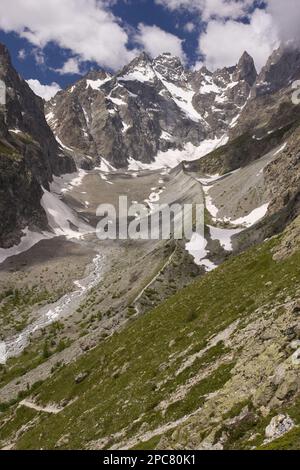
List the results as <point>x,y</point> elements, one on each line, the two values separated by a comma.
<point>29,156</point>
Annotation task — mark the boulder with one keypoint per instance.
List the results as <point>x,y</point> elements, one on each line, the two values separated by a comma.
<point>279,425</point>
<point>81,377</point>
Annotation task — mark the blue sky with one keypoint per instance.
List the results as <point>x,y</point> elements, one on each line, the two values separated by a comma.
<point>174,22</point>
<point>54,44</point>
<point>132,13</point>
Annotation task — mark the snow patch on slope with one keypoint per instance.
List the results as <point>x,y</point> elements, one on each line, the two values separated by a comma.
<point>97,84</point>
<point>173,157</point>
<point>281,149</point>
<point>183,97</point>
<point>105,166</point>
<point>197,248</point>
<point>63,145</point>
<point>209,87</point>
<point>117,101</point>
<point>212,209</point>
<point>254,216</point>
<point>63,184</point>
<point>28,240</point>
<point>61,219</point>
<point>224,236</point>
<point>140,74</point>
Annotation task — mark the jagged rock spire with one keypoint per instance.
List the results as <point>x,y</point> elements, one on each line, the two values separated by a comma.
<point>246,69</point>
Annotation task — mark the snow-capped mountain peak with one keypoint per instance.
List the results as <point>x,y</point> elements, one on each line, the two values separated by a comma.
<point>124,117</point>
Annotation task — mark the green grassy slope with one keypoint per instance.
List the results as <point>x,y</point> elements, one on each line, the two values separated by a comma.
<point>130,374</point>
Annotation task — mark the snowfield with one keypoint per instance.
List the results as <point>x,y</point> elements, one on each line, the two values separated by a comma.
<point>197,248</point>
<point>224,236</point>
<point>97,84</point>
<point>173,157</point>
<point>61,219</point>
<point>140,74</point>
<point>254,216</point>
<point>28,240</point>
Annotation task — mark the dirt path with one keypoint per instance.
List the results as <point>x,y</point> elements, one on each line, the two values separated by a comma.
<point>47,409</point>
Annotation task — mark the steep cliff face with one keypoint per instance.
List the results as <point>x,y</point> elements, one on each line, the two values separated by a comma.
<point>29,155</point>
<point>281,69</point>
<point>222,95</point>
<point>283,178</point>
<point>270,105</point>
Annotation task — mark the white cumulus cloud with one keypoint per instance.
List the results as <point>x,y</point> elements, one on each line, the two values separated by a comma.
<point>91,32</point>
<point>156,41</point>
<point>223,43</point>
<point>286,18</point>
<point>85,27</point>
<point>190,27</point>
<point>226,36</point>
<point>210,8</point>
<point>44,91</point>
<point>71,66</point>
<point>22,54</point>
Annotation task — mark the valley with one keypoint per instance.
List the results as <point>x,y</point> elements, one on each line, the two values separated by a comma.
<point>154,343</point>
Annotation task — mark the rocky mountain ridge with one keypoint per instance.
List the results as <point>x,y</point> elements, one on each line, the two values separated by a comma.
<point>150,106</point>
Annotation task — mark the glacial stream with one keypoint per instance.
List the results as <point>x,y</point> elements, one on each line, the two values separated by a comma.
<point>63,308</point>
